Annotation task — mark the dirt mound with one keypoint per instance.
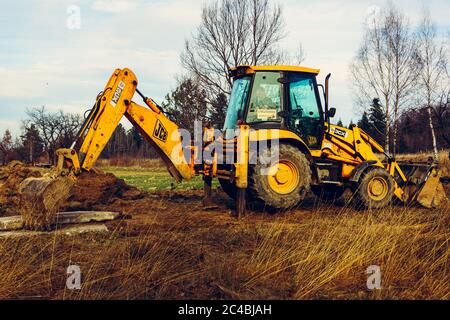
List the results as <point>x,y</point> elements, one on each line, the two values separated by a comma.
<point>96,187</point>
<point>11,176</point>
<point>91,188</point>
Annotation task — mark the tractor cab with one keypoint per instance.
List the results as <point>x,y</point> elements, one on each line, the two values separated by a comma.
<point>277,97</point>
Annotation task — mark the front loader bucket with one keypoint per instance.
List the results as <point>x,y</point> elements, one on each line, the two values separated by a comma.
<point>424,186</point>
<point>432,193</point>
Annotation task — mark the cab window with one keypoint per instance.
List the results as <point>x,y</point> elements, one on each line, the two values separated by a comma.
<point>236,104</point>
<point>265,100</point>
<point>304,110</point>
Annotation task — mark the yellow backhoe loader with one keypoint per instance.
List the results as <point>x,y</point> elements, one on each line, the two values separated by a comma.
<point>277,144</point>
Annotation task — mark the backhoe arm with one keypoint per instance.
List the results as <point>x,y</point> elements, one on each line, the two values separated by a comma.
<point>114,102</point>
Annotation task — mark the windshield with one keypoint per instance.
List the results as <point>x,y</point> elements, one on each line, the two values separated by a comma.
<point>238,98</point>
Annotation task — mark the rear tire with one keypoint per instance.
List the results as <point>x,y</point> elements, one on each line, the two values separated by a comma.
<point>375,189</point>
<point>280,185</point>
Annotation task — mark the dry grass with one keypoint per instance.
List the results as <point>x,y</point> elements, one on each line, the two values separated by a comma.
<point>172,249</point>
<point>170,252</point>
<point>444,161</point>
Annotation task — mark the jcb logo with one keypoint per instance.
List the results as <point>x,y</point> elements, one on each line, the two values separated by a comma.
<point>117,93</point>
<point>160,132</point>
<point>339,132</point>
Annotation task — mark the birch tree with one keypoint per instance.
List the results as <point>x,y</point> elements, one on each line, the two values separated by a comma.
<point>384,66</point>
<point>433,78</point>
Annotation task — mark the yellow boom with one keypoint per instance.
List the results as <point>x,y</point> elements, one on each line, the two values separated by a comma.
<point>112,104</point>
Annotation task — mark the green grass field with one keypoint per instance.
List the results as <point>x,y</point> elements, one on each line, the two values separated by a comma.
<point>152,179</point>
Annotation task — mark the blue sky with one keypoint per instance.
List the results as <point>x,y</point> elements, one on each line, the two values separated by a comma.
<point>42,62</point>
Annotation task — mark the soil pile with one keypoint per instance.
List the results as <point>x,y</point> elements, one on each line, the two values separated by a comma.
<point>11,176</point>
<point>91,189</point>
<point>96,187</point>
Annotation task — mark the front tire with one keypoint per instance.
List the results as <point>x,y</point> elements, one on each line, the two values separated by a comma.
<point>282,184</point>
<point>375,189</point>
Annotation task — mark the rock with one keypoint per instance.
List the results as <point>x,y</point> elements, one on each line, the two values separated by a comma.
<point>85,216</point>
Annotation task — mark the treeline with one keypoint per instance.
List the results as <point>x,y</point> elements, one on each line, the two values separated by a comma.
<point>413,132</point>
<point>405,67</point>
<point>400,66</point>
<point>42,133</point>
<point>128,143</point>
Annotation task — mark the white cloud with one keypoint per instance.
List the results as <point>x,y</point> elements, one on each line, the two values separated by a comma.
<point>115,6</point>
<point>12,125</point>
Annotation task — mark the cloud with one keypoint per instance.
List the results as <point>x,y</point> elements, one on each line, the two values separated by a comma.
<point>115,6</point>
<point>12,125</point>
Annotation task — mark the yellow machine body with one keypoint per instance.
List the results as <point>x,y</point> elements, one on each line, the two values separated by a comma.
<point>351,151</point>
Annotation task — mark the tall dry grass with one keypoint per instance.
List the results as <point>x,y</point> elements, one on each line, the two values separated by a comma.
<point>113,267</point>
<point>322,254</point>
<point>444,159</point>
<point>328,258</point>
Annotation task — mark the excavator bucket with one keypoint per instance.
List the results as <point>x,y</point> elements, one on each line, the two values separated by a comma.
<point>424,186</point>
<point>41,198</point>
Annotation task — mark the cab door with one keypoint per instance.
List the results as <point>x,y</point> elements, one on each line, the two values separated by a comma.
<point>265,100</point>
<point>305,115</point>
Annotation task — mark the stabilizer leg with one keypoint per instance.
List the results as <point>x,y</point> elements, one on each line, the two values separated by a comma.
<point>208,203</point>
<point>241,202</point>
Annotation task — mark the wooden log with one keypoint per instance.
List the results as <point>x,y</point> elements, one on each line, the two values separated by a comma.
<point>70,231</point>
<point>62,218</point>
<point>85,216</point>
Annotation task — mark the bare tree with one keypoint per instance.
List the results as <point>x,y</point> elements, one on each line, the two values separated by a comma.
<point>371,71</point>
<point>433,78</point>
<point>232,33</point>
<point>186,104</point>
<point>403,48</point>
<point>384,66</point>
<point>299,56</point>
<point>6,147</point>
<point>57,129</point>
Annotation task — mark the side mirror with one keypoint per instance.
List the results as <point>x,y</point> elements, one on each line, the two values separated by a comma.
<point>331,112</point>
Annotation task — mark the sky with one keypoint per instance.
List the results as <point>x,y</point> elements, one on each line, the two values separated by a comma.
<point>49,57</point>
